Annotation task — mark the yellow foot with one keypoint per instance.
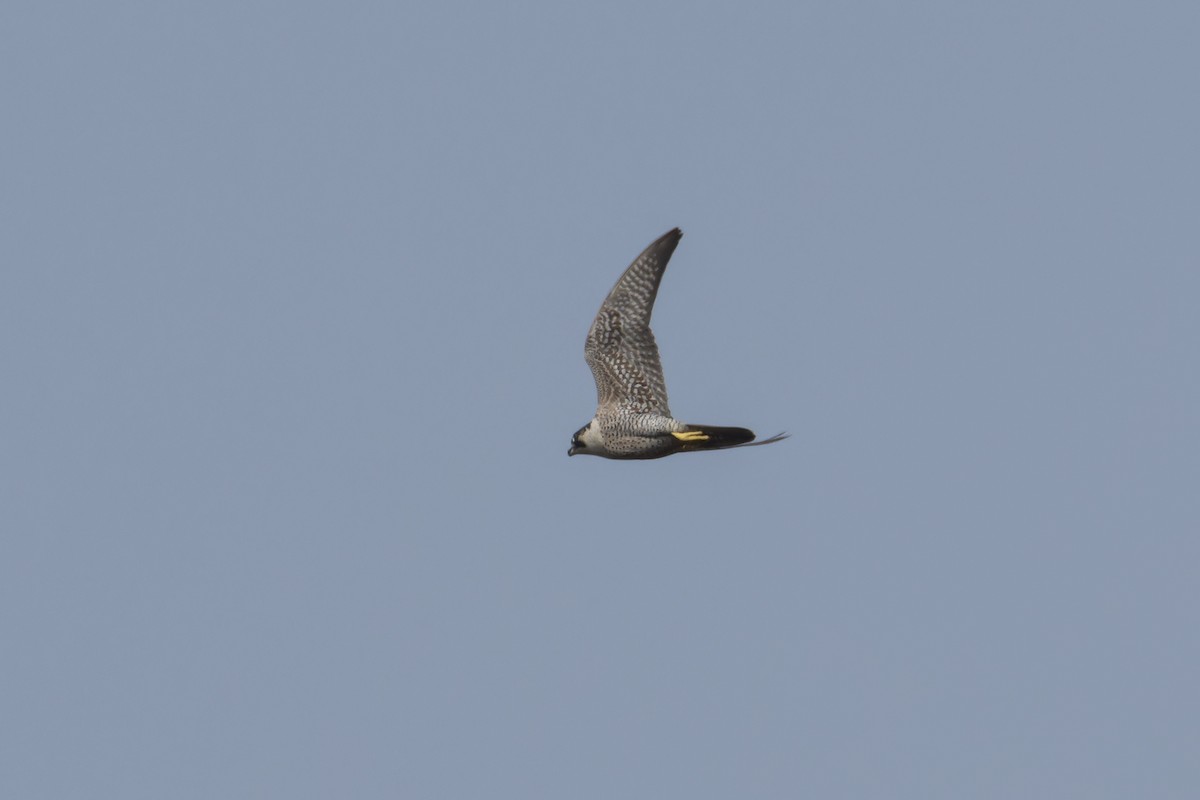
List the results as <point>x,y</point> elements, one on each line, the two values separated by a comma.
<point>691,436</point>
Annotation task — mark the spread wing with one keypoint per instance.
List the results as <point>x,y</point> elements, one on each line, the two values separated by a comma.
<point>620,347</point>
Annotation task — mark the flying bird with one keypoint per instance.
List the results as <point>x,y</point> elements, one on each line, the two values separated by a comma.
<point>632,417</point>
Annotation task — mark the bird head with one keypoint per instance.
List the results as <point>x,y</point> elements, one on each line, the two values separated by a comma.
<point>588,440</point>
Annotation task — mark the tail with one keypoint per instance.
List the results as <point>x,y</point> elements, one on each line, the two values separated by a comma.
<point>711,437</point>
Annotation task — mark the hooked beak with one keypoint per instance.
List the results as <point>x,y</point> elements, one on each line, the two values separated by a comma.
<point>573,450</point>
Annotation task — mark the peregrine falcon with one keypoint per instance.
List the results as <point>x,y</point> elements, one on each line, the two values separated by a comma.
<point>632,418</point>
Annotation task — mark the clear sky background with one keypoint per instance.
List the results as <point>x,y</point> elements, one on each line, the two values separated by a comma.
<point>292,306</point>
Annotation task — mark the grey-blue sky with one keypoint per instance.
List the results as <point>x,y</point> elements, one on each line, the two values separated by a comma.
<point>292,314</point>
